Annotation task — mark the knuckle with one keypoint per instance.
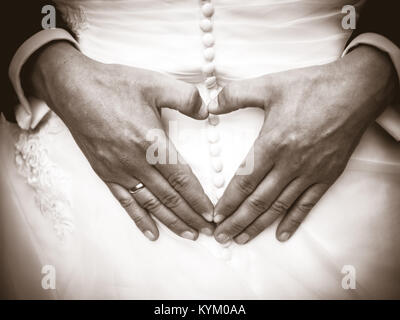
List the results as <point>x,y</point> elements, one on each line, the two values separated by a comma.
<point>279,207</point>
<point>305,207</point>
<point>173,223</point>
<point>126,202</point>
<point>138,220</point>
<point>190,221</point>
<point>195,202</point>
<point>145,142</point>
<point>170,200</point>
<point>255,229</point>
<point>151,204</point>
<point>292,139</point>
<point>226,208</point>
<point>103,162</point>
<point>294,222</point>
<point>178,180</point>
<point>271,144</point>
<point>257,205</point>
<point>235,227</point>
<point>245,186</point>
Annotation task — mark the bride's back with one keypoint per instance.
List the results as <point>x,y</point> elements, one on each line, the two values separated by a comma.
<point>251,37</point>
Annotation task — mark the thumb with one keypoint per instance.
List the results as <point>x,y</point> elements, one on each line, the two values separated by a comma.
<point>249,93</point>
<point>181,96</point>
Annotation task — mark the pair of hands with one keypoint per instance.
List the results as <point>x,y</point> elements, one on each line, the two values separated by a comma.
<point>314,118</point>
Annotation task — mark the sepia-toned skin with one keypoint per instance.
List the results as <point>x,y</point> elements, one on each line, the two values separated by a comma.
<point>314,118</point>
<point>109,109</point>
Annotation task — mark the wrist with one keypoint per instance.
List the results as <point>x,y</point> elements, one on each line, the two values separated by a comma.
<point>45,66</point>
<point>374,69</point>
<point>368,78</point>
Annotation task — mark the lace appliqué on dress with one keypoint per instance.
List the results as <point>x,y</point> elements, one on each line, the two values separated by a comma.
<point>46,178</point>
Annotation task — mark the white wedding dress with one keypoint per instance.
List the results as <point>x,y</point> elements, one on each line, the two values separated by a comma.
<point>55,210</point>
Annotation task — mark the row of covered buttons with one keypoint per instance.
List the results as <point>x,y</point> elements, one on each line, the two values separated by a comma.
<point>206,25</point>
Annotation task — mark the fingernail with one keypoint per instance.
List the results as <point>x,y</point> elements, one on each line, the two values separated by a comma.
<point>208,216</point>
<point>243,238</point>
<point>149,235</point>
<point>218,218</point>
<point>284,236</point>
<point>226,244</point>
<point>207,231</point>
<point>188,235</point>
<point>222,238</point>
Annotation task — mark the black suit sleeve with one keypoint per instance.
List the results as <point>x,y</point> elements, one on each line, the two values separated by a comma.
<point>22,19</point>
<point>382,17</point>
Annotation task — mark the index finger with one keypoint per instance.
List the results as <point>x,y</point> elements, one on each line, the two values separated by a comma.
<point>241,186</point>
<point>166,160</point>
<point>182,179</point>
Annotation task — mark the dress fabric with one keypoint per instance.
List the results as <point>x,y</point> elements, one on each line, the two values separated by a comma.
<point>56,211</point>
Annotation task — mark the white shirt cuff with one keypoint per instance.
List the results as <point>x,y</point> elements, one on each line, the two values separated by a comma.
<point>30,111</point>
<point>390,118</point>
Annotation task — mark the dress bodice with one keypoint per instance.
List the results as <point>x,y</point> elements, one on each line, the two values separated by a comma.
<point>106,256</point>
<point>209,42</point>
<point>251,37</point>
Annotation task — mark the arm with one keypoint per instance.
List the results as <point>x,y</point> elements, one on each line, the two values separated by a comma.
<point>378,28</point>
<point>113,113</point>
<point>314,118</point>
<point>110,109</point>
<point>23,19</point>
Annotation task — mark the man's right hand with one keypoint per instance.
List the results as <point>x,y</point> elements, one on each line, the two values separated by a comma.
<point>109,109</point>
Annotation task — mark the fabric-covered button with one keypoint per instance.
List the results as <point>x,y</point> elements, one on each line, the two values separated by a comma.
<point>218,180</point>
<point>208,68</point>
<point>208,39</point>
<point>212,135</point>
<point>211,82</point>
<point>215,150</point>
<point>217,164</point>
<point>213,119</point>
<point>207,9</point>
<point>209,54</point>
<point>206,25</point>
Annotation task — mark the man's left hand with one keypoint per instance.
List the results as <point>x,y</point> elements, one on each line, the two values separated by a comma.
<point>314,118</point>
